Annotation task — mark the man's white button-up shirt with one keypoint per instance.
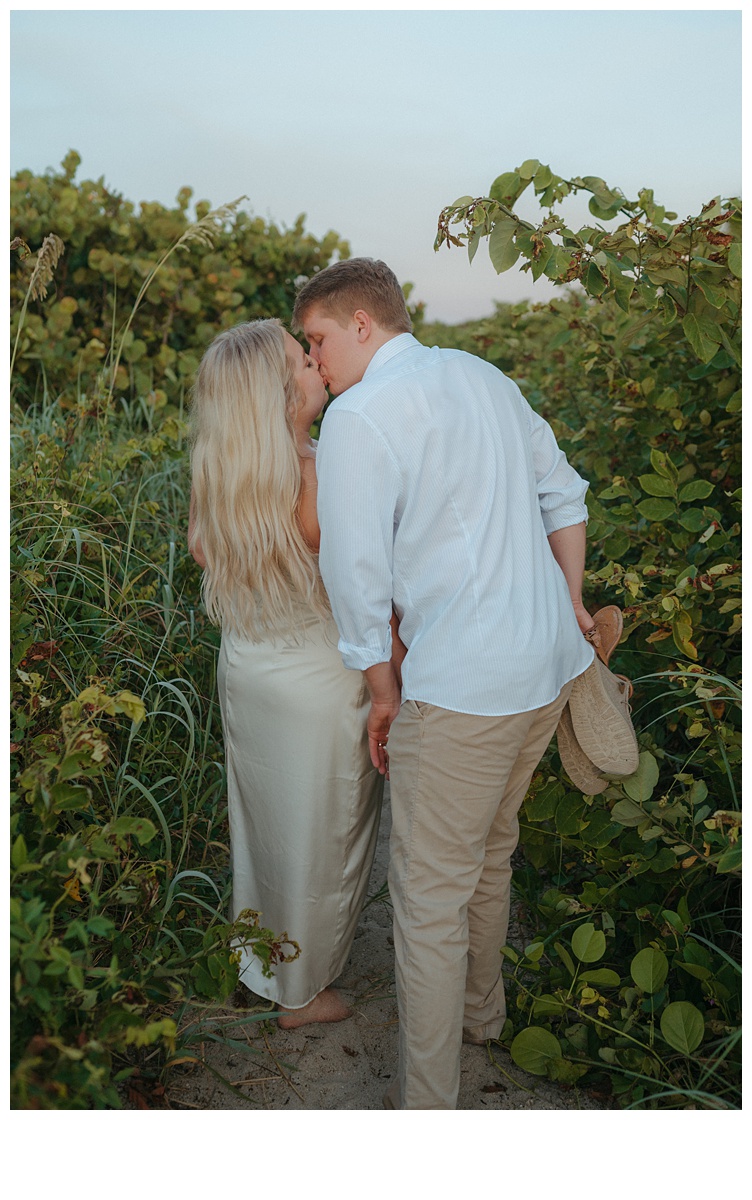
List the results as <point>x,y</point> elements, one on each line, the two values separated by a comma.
<point>437,487</point>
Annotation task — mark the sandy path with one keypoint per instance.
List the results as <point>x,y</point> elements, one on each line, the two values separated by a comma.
<point>349,1065</point>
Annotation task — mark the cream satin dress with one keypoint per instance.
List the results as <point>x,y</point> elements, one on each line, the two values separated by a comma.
<point>304,801</point>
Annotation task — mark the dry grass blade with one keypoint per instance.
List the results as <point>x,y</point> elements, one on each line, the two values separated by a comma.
<point>205,230</point>
<point>23,248</point>
<point>278,1065</point>
<point>49,256</point>
<point>50,253</point>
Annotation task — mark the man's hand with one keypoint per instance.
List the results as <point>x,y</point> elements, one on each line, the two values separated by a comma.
<point>385,704</point>
<point>584,620</point>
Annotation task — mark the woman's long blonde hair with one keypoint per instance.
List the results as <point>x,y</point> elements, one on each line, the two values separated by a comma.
<point>247,484</point>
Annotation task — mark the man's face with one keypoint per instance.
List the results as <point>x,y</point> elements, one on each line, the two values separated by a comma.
<point>338,349</point>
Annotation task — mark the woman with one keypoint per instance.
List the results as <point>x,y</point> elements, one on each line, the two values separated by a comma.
<point>303,798</point>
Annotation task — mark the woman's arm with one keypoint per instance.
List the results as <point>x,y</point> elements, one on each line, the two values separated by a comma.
<point>307,515</point>
<point>399,649</point>
<point>194,545</point>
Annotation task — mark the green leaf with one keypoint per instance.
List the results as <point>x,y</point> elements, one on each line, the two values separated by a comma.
<point>693,519</point>
<point>731,859</point>
<point>649,969</point>
<point>601,211</point>
<point>639,787</point>
<point>668,398</point>
<point>664,860</point>
<point>595,184</point>
<point>603,976</point>
<point>600,830</point>
<point>735,259</point>
<point>542,179</point>
<point>529,168</point>
<point>506,188</point>
<point>565,956</point>
<point>693,969</point>
<point>595,283</point>
<point>547,1006</point>
<point>533,1049</point>
<point>673,919</point>
<point>702,335</point>
<point>682,1026</point>
<point>569,815</point>
<point>75,976</point>
<point>69,796</point>
<point>656,509</point>
<point>735,403</point>
<point>534,951</point>
<point>589,943</point>
<point>563,1070</point>
<point>138,827</point>
<point>74,764</point>
<point>541,806</point>
<point>132,706</point>
<point>558,263</point>
<point>626,813</point>
<point>147,1035</point>
<point>662,464</point>
<point>100,926</point>
<point>696,489</point>
<point>19,854</point>
<point>657,485</point>
<point>681,630</point>
<point>501,247</point>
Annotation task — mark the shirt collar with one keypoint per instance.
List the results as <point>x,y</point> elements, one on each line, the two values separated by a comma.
<point>395,345</point>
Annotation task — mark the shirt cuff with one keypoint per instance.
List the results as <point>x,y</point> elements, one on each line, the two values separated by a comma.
<point>566,515</point>
<point>360,658</point>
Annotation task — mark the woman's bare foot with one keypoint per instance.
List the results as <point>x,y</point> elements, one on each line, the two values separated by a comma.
<point>327,1006</point>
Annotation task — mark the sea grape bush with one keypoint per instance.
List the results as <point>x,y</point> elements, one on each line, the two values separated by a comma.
<point>119,845</point>
<point>635,893</point>
<point>120,880</point>
<point>248,271</point>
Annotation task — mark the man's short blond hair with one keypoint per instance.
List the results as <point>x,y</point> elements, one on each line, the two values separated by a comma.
<point>355,283</point>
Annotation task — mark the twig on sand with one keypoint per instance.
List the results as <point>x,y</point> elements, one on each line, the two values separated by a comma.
<point>277,1064</point>
<point>511,1078</point>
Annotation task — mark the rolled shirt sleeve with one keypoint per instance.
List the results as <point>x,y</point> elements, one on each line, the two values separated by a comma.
<point>561,491</point>
<point>358,488</point>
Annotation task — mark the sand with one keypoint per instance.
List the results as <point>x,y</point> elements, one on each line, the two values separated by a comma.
<point>346,1065</point>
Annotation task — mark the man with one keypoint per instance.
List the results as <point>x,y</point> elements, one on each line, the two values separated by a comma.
<point>441,494</point>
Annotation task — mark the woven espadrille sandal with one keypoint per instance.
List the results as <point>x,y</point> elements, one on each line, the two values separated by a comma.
<point>584,774</point>
<point>599,705</point>
<point>608,624</point>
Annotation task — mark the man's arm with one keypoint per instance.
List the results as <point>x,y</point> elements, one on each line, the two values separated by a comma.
<point>385,696</point>
<point>568,548</point>
<point>358,485</point>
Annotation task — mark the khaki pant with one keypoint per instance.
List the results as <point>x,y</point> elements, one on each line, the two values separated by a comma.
<point>457,783</point>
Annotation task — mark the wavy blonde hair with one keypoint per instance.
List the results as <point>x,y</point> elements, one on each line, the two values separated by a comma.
<point>247,485</point>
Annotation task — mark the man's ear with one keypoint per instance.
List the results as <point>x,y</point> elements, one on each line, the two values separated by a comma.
<point>363,324</point>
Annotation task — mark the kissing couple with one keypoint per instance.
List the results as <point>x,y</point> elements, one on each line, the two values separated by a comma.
<point>402,599</point>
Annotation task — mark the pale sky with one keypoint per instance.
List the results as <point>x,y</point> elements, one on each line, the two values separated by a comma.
<point>371,121</point>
